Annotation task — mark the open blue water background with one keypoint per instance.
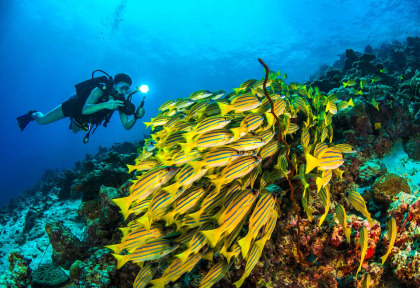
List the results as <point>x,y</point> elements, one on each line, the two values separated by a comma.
<point>176,47</point>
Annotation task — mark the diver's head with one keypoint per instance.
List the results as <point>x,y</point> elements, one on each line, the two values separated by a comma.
<point>122,83</point>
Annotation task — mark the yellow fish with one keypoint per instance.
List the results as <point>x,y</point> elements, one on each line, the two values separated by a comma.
<point>378,126</point>
<point>325,198</point>
<point>258,219</point>
<point>363,241</point>
<point>143,165</point>
<point>176,269</point>
<point>200,94</point>
<point>151,250</point>
<point>341,215</point>
<point>376,78</point>
<point>144,276</point>
<point>374,103</point>
<point>350,82</point>
<point>330,159</point>
<point>214,275</point>
<point>359,204</point>
<point>145,186</point>
<point>392,235</point>
<point>241,103</point>
<point>345,148</point>
<point>252,260</point>
<point>366,283</point>
<point>238,168</point>
<point>232,216</point>
<point>249,123</point>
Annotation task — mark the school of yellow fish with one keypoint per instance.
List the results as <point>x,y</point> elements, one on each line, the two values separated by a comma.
<point>201,183</point>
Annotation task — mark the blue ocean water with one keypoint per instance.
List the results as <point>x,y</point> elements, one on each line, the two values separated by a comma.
<point>175,47</point>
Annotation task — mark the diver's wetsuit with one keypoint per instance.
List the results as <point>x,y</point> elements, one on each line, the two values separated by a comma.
<point>73,108</point>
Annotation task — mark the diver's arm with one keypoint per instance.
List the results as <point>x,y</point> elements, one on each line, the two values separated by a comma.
<point>91,107</point>
<point>128,124</point>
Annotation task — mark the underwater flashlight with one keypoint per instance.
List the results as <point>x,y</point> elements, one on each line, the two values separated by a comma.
<point>144,88</point>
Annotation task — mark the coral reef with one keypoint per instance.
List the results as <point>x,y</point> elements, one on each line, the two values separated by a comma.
<point>387,187</point>
<point>49,276</point>
<point>405,258</point>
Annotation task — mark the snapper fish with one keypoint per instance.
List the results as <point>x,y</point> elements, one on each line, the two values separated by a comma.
<point>200,94</point>
<point>331,158</point>
<point>392,235</point>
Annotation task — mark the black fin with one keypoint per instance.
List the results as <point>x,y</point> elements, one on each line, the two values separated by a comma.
<point>24,120</point>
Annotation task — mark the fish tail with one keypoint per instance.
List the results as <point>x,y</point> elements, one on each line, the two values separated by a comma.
<point>212,236</point>
<point>160,282</point>
<point>224,108</point>
<point>240,281</point>
<point>318,184</point>
<point>124,204</point>
<point>131,168</point>
<point>308,211</point>
<point>244,243</point>
<point>183,256</point>
<point>145,221</point>
<point>237,132</point>
<point>208,256</point>
<point>223,251</point>
<point>347,233</point>
<point>229,256</point>
<point>169,218</point>
<point>121,260</point>
<point>311,163</point>
<point>147,124</point>
<point>383,258</point>
<point>116,248</point>
<point>187,147</point>
<point>322,218</point>
<point>350,103</point>
<point>172,189</point>
<point>196,165</point>
<point>189,136</point>
<point>217,182</point>
<point>236,90</point>
<point>196,216</point>
<point>344,84</point>
<point>124,230</point>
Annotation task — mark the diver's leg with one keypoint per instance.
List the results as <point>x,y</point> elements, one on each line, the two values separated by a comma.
<point>52,116</point>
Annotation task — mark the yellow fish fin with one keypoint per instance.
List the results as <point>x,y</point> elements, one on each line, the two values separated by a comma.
<point>311,163</point>
<point>124,204</point>
<point>212,236</point>
<point>121,260</point>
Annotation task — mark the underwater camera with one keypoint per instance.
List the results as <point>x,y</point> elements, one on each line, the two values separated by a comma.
<point>128,107</point>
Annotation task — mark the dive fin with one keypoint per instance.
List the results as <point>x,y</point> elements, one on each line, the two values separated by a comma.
<point>24,120</point>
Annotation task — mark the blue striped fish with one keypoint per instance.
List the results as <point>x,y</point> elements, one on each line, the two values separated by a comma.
<point>151,250</point>
<point>270,149</point>
<point>341,215</point>
<point>363,241</point>
<point>232,216</point>
<point>145,275</point>
<point>249,123</point>
<point>359,204</point>
<point>214,275</point>
<point>238,168</point>
<point>145,186</point>
<point>247,143</point>
<point>242,103</point>
<point>325,198</point>
<point>214,138</point>
<point>258,219</point>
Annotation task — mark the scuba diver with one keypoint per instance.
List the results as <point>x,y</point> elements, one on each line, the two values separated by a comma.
<point>95,101</point>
